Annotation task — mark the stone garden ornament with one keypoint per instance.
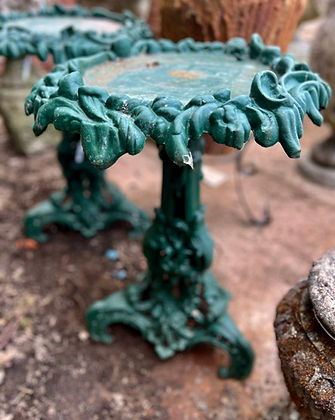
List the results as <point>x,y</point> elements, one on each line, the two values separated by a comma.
<point>305,332</point>
<point>174,93</point>
<point>88,203</point>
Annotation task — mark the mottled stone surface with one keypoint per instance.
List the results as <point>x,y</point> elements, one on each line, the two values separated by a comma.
<point>307,355</point>
<point>183,76</point>
<point>321,284</point>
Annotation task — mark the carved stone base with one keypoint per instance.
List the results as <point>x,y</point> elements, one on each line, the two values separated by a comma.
<point>315,172</point>
<point>307,355</point>
<point>175,323</point>
<point>87,218</point>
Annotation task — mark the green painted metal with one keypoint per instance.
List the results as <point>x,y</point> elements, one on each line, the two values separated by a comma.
<point>178,303</point>
<point>87,204</point>
<point>38,33</point>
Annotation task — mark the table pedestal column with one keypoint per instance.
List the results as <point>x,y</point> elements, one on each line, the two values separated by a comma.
<point>178,303</point>
<point>87,204</point>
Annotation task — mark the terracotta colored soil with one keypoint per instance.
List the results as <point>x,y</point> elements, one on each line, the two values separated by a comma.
<point>49,369</point>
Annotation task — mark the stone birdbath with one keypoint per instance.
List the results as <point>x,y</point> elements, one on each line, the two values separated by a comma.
<point>88,203</point>
<point>174,93</point>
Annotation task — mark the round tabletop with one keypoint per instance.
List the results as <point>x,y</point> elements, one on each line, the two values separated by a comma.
<point>55,24</point>
<point>173,92</point>
<point>181,75</point>
<point>69,32</point>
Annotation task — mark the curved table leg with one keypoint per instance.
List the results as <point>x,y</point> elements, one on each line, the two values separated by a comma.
<point>87,204</point>
<point>170,326</point>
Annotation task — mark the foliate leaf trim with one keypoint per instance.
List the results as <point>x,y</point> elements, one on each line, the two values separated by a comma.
<point>16,42</point>
<point>111,126</point>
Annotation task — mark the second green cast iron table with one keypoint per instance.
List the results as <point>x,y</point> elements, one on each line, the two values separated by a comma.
<point>174,93</point>
<point>88,203</point>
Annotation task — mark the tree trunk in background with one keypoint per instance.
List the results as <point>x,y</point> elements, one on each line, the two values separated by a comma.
<point>203,20</point>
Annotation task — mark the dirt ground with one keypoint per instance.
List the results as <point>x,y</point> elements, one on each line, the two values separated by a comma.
<point>50,369</point>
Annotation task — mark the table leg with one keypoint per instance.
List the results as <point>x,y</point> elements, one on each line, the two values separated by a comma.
<point>178,303</point>
<point>87,204</point>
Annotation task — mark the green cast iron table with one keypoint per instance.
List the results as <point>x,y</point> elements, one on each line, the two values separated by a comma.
<point>88,203</point>
<point>174,93</point>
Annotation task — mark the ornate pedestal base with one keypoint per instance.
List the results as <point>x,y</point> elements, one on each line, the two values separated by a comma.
<point>87,218</point>
<point>88,203</point>
<point>172,324</point>
<point>179,303</point>
<point>319,163</point>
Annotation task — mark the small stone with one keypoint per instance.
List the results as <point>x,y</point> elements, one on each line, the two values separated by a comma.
<point>118,401</point>
<point>2,376</point>
<point>125,380</point>
<point>112,254</point>
<point>83,335</point>
<point>5,416</point>
<point>51,411</point>
<point>202,406</point>
<point>56,337</point>
<point>121,275</point>
<point>41,351</point>
<point>52,321</point>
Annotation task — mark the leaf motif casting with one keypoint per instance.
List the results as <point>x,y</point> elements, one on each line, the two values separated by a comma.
<point>113,125</point>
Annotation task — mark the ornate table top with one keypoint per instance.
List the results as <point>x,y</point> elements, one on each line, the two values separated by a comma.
<point>52,24</point>
<point>178,92</point>
<point>67,33</point>
<point>180,75</point>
